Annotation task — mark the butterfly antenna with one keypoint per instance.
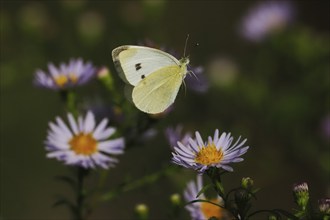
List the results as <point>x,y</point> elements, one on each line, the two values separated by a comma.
<point>185,46</point>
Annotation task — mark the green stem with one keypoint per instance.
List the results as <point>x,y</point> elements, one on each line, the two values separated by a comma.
<point>95,194</point>
<point>215,177</point>
<point>80,197</point>
<point>69,99</point>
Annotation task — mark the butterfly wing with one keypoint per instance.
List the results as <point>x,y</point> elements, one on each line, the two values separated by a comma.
<point>155,93</point>
<point>135,63</point>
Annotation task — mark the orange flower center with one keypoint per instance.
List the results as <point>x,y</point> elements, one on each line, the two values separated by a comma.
<point>83,144</point>
<point>209,210</point>
<point>209,155</point>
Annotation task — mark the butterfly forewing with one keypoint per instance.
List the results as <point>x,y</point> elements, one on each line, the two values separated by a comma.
<point>158,91</point>
<point>135,63</point>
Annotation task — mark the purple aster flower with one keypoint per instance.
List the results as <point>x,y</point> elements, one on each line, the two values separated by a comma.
<point>216,152</point>
<point>203,210</point>
<point>174,135</point>
<point>83,143</point>
<point>66,75</point>
<point>265,18</point>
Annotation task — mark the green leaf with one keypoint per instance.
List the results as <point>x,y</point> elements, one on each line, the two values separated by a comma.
<point>220,188</point>
<point>255,191</point>
<point>203,190</point>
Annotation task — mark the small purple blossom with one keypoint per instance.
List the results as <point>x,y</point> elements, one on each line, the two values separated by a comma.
<point>266,18</point>
<point>66,75</point>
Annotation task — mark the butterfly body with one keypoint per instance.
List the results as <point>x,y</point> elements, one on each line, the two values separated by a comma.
<point>155,76</point>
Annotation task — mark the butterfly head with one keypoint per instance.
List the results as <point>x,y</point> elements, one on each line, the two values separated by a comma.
<point>184,61</point>
<point>183,65</point>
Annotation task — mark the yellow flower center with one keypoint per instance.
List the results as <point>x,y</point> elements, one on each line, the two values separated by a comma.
<point>209,155</point>
<point>61,80</point>
<point>209,210</point>
<point>73,77</point>
<point>83,144</point>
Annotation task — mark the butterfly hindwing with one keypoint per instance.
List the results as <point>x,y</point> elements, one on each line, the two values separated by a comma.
<point>158,91</point>
<point>134,63</point>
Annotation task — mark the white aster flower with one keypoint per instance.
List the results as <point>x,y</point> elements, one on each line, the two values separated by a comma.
<point>83,143</point>
<point>216,152</point>
<point>203,210</point>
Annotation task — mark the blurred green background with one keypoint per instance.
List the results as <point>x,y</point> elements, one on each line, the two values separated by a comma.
<point>275,93</point>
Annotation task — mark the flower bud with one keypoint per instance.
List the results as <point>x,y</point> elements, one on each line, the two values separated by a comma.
<point>103,72</point>
<point>105,77</point>
<point>142,211</point>
<point>175,199</point>
<point>324,206</point>
<point>247,183</point>
<point>301,194</point>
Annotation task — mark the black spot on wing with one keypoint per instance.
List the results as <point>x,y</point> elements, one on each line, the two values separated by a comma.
<point>138,66</point>
<point>143,76</point>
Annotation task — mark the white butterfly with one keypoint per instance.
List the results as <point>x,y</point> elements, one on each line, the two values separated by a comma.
<point>156,76</point>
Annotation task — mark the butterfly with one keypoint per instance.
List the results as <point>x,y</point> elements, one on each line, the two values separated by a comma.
<point>155,76</point>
